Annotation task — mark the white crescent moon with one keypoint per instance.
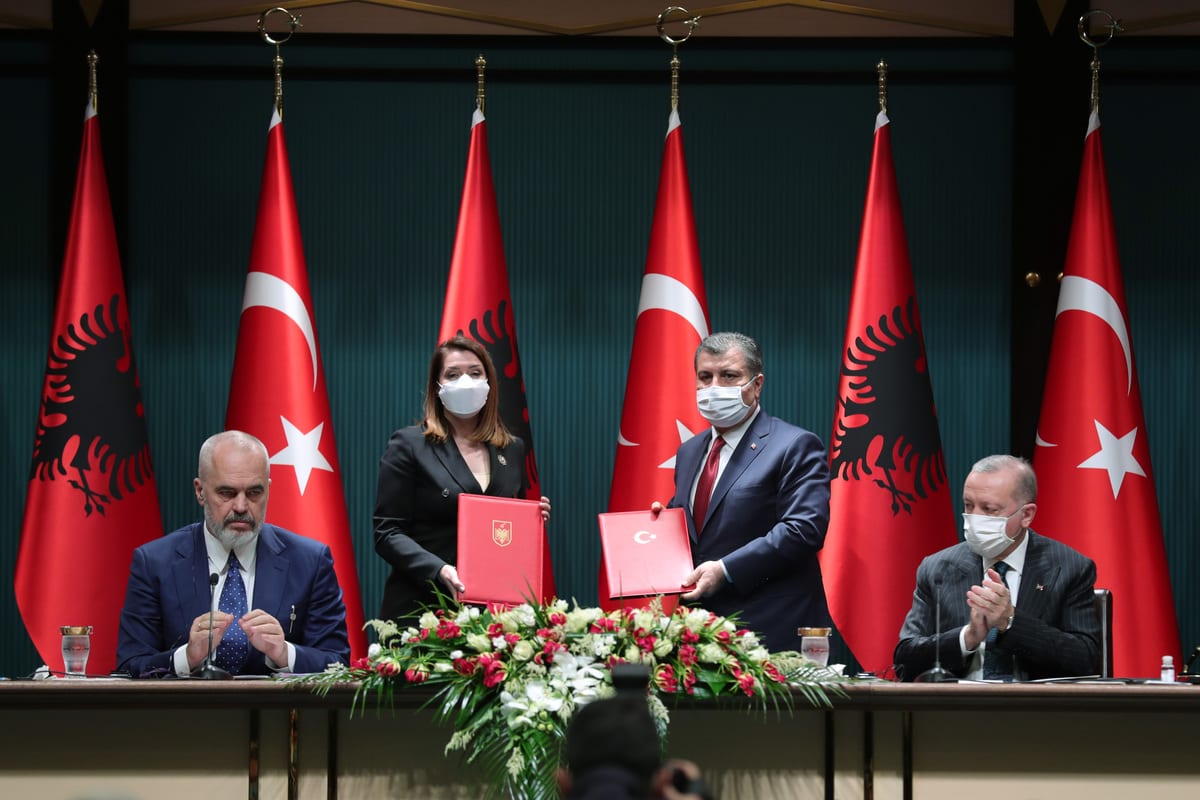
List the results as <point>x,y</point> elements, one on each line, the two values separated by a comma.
<point>664,293</point>
<point>267,291</point>
<point>1081,294</point>
<point>643,537</point>
<point>668,294</point>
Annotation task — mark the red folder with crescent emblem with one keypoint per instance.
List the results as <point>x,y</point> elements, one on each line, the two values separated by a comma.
<point>645,554</point>
<point>500,549</point>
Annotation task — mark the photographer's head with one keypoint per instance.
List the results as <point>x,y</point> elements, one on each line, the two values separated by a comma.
<point>612,750</point>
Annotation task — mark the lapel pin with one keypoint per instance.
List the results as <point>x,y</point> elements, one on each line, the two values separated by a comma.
<point>501,459</point>
<point>753,446</point>
<point>445,492</point>
<point>1040,587</point>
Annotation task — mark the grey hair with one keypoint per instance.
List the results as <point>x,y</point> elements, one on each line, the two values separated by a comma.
<point>1026,487</point>
<point>241,439</point>
<point>718,344</point>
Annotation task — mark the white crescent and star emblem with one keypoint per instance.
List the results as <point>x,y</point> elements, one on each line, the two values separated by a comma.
<point>644,537</point>
<point>1116,452</point>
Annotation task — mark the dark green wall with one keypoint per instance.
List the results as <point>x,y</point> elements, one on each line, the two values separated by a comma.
<point>778,140</point>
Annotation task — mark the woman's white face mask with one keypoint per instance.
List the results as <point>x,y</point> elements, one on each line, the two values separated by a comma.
<point>464,396</point>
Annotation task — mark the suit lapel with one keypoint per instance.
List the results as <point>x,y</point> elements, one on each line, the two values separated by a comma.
<point>270,573</point>
<point>191,570</point>
<point>753,442</point>
<point>1040,575</point>
<point>452,461</point>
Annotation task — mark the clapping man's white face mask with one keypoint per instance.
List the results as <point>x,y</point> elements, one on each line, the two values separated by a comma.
<point>464,396</point>
<point>988,536</point>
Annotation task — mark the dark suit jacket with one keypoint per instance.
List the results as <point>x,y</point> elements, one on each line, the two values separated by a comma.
<point>168,588</point>
<point>1056,632</point>
<point>767,519</point>
<point>416,510</point>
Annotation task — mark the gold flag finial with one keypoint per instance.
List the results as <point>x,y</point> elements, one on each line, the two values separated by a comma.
<point>93,86</point>
<point>881,69</point>
<point>480,66</point>
<point>692,23</point>
<point>1114,27</point>
<point>293,23</point>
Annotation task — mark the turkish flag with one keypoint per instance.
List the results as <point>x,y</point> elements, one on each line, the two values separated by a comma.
<point>660,411</point>
<point>889,502</point>
<point>278,388</point>
<point>91,498</point>
<point>479,304</point>
<point>1096,487</point>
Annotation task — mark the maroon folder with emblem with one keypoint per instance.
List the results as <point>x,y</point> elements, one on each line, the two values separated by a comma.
<point>500,549</point>
<point>645,554</point>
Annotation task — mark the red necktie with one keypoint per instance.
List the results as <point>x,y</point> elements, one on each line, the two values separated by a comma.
<point>708,480</point>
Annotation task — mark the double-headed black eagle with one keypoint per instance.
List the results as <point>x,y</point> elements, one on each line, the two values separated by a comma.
<point>92,423</point>
<point>887,420</point>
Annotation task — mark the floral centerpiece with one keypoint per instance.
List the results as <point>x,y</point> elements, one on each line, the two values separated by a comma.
<point>510,679</point>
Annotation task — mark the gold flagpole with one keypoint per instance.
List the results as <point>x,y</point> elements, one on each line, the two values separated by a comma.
<point>293,23</point>
<point>692,23</point>
<point>1114,27</point>
<point>881,68</point>
<point>480,66</point>
<point>93,86</point>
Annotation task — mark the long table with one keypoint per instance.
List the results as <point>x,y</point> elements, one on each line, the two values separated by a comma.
<point>137,740</point>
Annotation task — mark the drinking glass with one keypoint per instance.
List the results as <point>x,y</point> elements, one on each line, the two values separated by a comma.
<point>814,644</point>
<point>76,645</point>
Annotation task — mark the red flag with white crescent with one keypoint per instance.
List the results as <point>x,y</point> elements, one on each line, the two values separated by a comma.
<point>479,304</point>
<point>91,497</point>
<point>278,387</point>
<point>889,502</point>
<point>659,411</point>
<point>1095,484</point>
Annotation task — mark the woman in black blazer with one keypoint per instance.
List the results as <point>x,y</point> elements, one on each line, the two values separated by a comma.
<point>460,446</point>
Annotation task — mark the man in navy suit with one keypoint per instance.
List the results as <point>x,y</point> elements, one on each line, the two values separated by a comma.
<point>1005,589</point>
<point>755,538</point>
<point>294,618</point>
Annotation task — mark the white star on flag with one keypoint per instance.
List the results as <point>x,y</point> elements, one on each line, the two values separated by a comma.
<point>1116,456</point>
<point>685,433</point>
<point>303,452</point>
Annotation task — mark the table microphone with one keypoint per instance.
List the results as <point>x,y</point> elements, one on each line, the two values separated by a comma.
<point>1187,675</point>
<point>211,671</point>
<point>936,674</point>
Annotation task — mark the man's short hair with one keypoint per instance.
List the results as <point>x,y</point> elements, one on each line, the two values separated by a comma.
<point>720,343</point>
<point>615,732</point>
<point>1025,488</point>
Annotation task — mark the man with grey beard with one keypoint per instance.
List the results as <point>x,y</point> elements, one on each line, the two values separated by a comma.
<point>275,605</point>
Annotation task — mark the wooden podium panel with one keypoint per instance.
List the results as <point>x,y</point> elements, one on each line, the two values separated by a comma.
<point>127,740</point>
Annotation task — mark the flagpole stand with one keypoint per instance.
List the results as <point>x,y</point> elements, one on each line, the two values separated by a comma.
<point>293,23</point>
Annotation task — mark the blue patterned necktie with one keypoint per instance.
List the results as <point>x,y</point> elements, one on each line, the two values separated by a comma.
<point>997,662</point>
<point>233,649</point>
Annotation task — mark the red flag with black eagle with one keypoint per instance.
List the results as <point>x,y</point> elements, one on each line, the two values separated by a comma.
<point>92,497</point>
<point>479,304</point>
<point>889,505</point>
<point>659,411</point>
<point>1095,484</point>
<point>278,388</point>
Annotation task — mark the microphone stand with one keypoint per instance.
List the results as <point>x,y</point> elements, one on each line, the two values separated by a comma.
<point>936,674</point>
<point>211,671</point>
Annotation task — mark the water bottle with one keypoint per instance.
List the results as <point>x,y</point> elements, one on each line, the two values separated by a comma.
<point>1168,669</point>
